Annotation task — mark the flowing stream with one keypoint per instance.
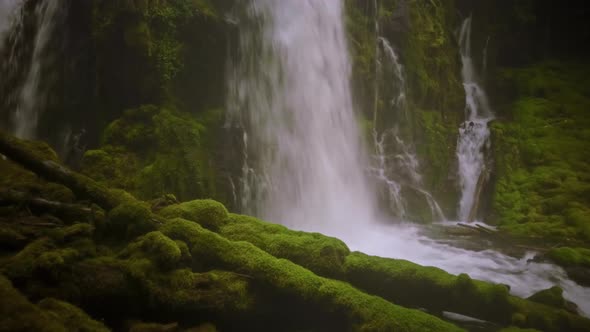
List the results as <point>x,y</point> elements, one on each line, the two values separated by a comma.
<point>289,89</point>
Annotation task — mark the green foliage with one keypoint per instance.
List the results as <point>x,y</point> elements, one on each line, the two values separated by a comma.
<point>541,158</point>
<point>153,151</point>
<point>430,56</point>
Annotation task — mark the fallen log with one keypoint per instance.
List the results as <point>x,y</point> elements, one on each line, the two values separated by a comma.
<point>66,211</point>
<point>22,152</point>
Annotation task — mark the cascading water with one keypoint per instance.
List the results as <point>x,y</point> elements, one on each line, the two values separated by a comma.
<point>289,90</point>
<point>401,167</point>
<point>28,97</point>
<point>474,132</point>
<point>292,89</point>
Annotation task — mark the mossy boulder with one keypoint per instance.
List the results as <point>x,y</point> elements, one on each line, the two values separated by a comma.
<point>72,317</point>
<point>208,213</point>
<point>129,220</point>
<point>552,296</point>
<point>157,247</point>
<point>18,314</point>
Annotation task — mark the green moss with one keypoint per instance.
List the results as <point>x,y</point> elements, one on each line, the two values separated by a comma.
<point>128,220</point>
<point>322,254</point>
<point>157,247</point>
<point>541,160</point>
<point>78,231</point>
<point>184,292</point>
<point>361,311</point>
<point>153,151</point>
<point>18,314</point>
<point>552,296</point>
<point>547,318</point>
<point>21,265</point>
<point>569,257</point>
<point>72,318</point>
<point>413,285</point>
<point>208,213</point>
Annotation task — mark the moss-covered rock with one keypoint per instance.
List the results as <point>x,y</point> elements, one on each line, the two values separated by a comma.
<point>552,296</point>
<point>72,318</point>
<point>208,213</point>
<point>156,246</point>
<point>18,314</point>
<point>129,220</point>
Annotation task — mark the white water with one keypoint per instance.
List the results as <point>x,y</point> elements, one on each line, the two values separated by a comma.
<point>289,89</point>
<point>32,97</point>
<point>524,278</point>
<point>474,132</point>
<point>293,90</point>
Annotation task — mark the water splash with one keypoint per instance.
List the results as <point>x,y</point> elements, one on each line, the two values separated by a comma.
<point>474,132</point>
<point>291,88</point>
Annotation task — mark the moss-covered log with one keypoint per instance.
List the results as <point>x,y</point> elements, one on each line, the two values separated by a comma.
<point>19,152</point>
<point>360,311</point>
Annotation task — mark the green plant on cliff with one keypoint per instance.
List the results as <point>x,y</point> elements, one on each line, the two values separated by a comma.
<point>542,161</point>
<point>153,151</point>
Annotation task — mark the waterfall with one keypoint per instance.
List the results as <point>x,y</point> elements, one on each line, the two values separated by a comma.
<point>27,68</point>
<point>290,90</point>
<point>395,163</point>
<point>7,13</point>
<point>474,132</point>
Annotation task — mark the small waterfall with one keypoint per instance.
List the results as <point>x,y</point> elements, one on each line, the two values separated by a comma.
<point>395,163</point>
<point>27,69</point>
<point>473,134</point>
<point>290,90</point>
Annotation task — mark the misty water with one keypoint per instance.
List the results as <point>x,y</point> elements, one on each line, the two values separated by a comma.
<point>306,166</point>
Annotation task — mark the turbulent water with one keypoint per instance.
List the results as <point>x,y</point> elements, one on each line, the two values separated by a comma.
<point>305,167</point>
<point>474,132</point>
